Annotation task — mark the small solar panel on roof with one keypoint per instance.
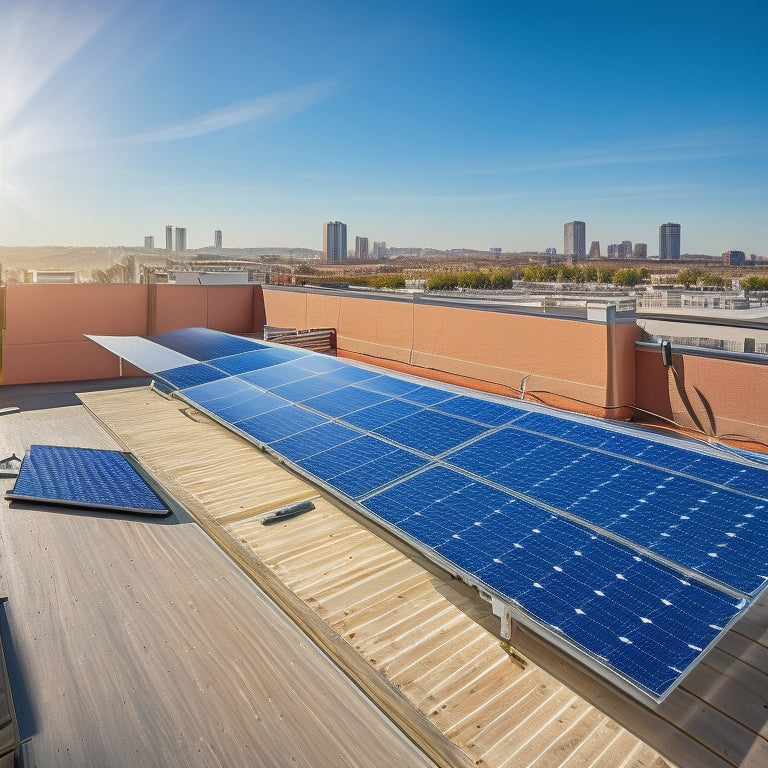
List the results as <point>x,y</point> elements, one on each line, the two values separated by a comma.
<point>84,477</point>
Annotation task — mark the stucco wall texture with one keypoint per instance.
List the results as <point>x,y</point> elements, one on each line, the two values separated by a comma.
<point>591,367</point>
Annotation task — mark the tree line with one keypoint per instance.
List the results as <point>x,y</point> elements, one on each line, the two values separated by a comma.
<point>560,273</point>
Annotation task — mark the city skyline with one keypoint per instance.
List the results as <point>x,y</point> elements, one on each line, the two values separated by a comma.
<point>105,122</point>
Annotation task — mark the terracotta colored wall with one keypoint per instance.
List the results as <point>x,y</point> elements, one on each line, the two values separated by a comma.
<point>705,393</point>
<point>43,338</point>
<point>223,307</point>
<point>591,362</point>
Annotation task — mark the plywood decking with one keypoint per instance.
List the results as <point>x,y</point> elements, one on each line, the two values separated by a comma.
<point>406,619</point>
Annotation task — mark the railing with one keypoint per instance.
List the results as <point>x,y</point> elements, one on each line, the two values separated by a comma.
<point>317,339</point>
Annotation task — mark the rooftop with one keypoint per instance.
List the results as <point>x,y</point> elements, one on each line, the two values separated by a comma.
<point>375,605</point>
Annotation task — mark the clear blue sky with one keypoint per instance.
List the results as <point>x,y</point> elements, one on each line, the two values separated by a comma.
<point>423,123</point>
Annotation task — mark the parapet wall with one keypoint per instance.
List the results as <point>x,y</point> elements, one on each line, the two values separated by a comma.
<point>706,392</point>
<point>591,362</point>
<point>44,325</point>
<point>592,365</point>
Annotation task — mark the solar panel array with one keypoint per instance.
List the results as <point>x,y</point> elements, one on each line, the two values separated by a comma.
<point>84,477</point>
<point>635,551</point>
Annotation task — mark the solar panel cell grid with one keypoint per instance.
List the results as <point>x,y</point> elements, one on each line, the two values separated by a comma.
<point>255,405</point>
<point>389,385</point>
<point>304,389</point>
<point>430,432</point>
<point>84,477</point>
<point>252,361</point>
<point>276,375</point>
<point>491,414</point>
<point>367,477</point>
<point>753,480</point>
<point>343,401</point>
<point>279,423</point>
<point>215,390</point>
<point>314,440</point>
<point>205,344</point>
<point>191,375</point>
<point>384,413</point>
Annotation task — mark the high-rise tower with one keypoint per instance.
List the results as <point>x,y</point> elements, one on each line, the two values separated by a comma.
<point>169,237</point>
<point>361,248</point>
<point>181,238</point>
<point>217,239</point>
<point>669,241</point>
<point>575,238</point>
<point>334,241</point>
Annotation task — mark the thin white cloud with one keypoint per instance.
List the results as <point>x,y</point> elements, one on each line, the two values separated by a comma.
<point>704,145</point>
<point>262,110</point>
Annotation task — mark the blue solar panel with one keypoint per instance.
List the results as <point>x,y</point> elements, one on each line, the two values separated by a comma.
<point>84,477</point>
<point>205,344</point>
<point>715,532</point>
<point>252,361</point>
<point>351,375</point>
<point>427,395</point>
<point>215,390</point>
<point>582,530</point>
<point>381,414</point>
<point>276,375</point>
<point>321,364</point>
<point>346,457</point>
<point>367,477</point>
<point>191,375</point>
<point>256,404</point>
<point>715,469</point>
<point>314,440</point>
<point>389,385</point>
<point>304,389</point>
<point>487,412</point>
<point>344,400</point>
<point>279,423</point>
<point>617,606</point>
<point>430,432</point>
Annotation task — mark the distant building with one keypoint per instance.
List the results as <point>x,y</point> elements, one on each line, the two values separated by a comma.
<point>575,238</point>
<point>622,250</point>
<point>334,242</point>
<point>181,239</point>
<point>169,237</point>
<point>361,248</point>
<point>594,250</point>
<point>50,276</point>
<point>550,251</point>
<point>149,242</point>
<point>495,250</point>
<point>669,241</point>
<point>641,250</point>
<point>380,250</point>
<point>734,258</point>
<point>217,239</point>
